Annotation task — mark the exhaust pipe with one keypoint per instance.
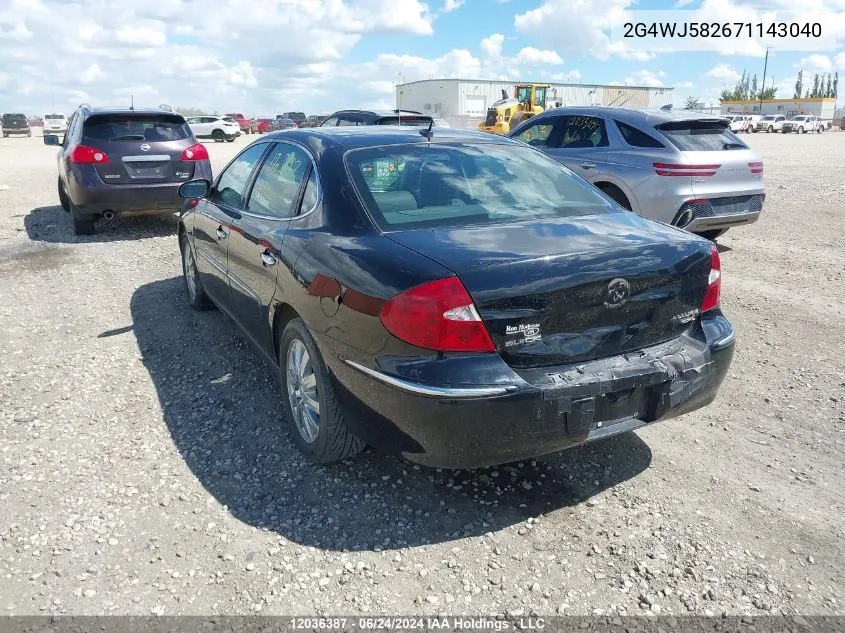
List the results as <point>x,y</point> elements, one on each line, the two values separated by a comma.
<point>108,215</point>
<point>684,218</point>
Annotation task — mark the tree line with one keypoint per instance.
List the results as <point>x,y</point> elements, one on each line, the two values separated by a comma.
<point>746,89</point>
<point>823,86</point>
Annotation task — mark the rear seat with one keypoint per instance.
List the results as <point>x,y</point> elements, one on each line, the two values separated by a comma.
<point>390,202</point>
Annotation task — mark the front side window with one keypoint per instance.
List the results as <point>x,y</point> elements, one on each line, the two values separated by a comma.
<point>582,131</point>
<point>537,135</point>
<point>422,186</point>
<point>348,122</point>
<point>277,185</point>
<point>232,184</point>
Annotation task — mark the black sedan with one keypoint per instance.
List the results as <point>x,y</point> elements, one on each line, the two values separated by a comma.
<point>454,297</point>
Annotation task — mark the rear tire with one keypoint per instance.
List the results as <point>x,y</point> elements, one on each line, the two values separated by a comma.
<point>197,298</point>
<point>306,381</point>
<point>218,135</point>
<point>82,224</point>
<point>712,235</point>
<point>616,194</point>
<point>230,140</point>
<point>770,130</point>
<point>63,199</point>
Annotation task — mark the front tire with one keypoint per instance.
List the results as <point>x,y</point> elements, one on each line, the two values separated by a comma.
<point>800,130</point>
<point>197,298</point>
<point>770,130</point>
<point>313,414</point>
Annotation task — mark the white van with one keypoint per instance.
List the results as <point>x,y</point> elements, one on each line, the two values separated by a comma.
<point>55,124</point>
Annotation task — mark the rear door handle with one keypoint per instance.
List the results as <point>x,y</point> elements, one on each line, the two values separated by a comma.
<point>588,165</point>
<point>267,259</point>
<point>221,234</point>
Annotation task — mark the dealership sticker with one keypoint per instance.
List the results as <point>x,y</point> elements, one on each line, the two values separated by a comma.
<point>522,333</point>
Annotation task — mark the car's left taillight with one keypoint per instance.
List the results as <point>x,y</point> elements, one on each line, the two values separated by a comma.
<point>438,315</point>
<point>714,281</point>
<point>195,152</point>
<point>86,155</point>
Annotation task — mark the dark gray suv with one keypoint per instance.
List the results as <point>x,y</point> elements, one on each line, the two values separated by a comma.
<point>125,162</point>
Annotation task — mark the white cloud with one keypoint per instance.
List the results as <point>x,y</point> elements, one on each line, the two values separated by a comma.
<point>569,76</point>
<point>816,63</point>
<point>90,74</point>
<point>451,5</point>
<point>723,72</point>
<point>645,77</point>
<point>839,61</point>
<point>531,56</point>
<point>492,46</point>
<point>684,84</point>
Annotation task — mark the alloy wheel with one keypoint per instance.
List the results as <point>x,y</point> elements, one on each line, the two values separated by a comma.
<point>302,391</point>
<point>190,270</point>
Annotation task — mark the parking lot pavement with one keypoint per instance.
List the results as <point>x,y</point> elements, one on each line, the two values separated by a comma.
<point>144,469</point>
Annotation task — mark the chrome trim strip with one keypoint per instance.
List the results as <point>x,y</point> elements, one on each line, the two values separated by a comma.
<point>214,263</point>
<point>428,390</point>
<point>146,158</point>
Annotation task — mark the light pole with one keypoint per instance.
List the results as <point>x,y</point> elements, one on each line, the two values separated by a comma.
<point>765,67</point>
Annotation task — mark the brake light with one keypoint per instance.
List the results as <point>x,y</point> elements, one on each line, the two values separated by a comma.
<point>195,152</point>
<point>438,315</point>
<point>714,281</point>
<point>666,169</point>
<point>85,155</point>
<point>756,168</point>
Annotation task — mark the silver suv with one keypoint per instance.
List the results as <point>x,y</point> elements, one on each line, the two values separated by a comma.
<point>678,167</point>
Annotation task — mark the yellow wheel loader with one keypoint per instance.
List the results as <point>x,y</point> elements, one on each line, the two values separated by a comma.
<point>507,113</point>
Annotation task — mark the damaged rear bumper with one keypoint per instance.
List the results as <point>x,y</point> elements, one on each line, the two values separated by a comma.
<point>530,412</point>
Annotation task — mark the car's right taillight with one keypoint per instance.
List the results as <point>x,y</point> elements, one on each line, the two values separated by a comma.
<point>757,167</point>
<point>714,281</point>
<point>195,152</point>
<point>438,315</point>
<point>85,155</point>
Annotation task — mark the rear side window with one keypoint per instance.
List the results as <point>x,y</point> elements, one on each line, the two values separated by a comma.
<point>136,127</point>
<point>635,137</point>
<point>698,136</point>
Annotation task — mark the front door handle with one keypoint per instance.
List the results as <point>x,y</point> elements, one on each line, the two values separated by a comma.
<point>221,234</point>
<point>267,259</point>
<point>588,165</point>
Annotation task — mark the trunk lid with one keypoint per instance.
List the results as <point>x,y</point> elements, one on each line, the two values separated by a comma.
<point>574,289</point>
<point>141,148</point>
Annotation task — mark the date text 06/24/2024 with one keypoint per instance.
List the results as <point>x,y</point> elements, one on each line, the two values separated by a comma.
<point>410,623</point>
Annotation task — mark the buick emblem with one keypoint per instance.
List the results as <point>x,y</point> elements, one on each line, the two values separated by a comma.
<point>145,147</point>
<point>618,292</point>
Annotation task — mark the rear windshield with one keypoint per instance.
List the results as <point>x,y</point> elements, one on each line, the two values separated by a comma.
<point>53,117</point>
<point>425,186</point>
<point>698,136</point>
<point>405,120</point>
<point>14,117</point>
<point>137,127</point>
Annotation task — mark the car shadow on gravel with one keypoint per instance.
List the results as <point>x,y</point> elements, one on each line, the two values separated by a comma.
<point>223,411</point>
<point>53,225</point>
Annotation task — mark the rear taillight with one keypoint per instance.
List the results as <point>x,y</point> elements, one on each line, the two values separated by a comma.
<point>667,169</point>
<point>714,281</point>
<point>756,168</point>
<point>438,315</point>
<point>195,152</point>
<point>85,155</point>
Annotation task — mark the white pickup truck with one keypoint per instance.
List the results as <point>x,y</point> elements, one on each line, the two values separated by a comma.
<point>803,123</point>
<point>769,123</point>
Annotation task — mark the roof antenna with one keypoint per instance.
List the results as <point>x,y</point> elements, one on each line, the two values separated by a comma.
<point>428,133</point>
<point>132,102</point>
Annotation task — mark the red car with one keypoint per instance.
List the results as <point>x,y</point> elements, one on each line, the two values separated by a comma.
<point>243,122</point>
<point>263,126</point>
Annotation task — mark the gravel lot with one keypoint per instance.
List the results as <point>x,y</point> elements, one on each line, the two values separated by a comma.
<point>144,468</point>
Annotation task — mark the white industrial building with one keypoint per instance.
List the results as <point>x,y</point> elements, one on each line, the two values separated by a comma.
<point>822,107</point>
<point>464,102</point>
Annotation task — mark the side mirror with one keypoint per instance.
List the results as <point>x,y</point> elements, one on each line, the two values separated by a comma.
<point>194,189</point>
<point>51,139</point>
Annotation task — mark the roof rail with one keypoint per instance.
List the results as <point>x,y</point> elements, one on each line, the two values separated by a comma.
<point>165,107</point>
<point>85,106</point>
